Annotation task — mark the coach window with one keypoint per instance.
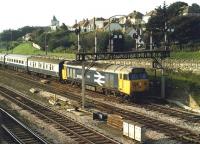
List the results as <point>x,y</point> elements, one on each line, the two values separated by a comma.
<point>39,65</point>
<point>71,72</point>
<point>67,71</point>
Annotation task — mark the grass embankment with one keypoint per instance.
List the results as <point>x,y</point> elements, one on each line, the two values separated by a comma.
<point>185,55</point>
<point>26,48</point>
<point>180,85</point>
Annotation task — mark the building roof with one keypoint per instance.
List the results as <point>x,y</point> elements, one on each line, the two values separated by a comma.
<point>136,15</point>
<point>100,19</point>
<point>75,25</point>
<point>17,56</point>
<point>86,23</point>
<point>54,18</point>
<point>151,13</point>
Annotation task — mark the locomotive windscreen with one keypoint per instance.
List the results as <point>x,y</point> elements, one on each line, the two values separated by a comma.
<point>138,73</point>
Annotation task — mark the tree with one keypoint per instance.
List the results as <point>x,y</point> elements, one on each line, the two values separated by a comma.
<point>64,27</point>
<point>195,8</point>
<point>157,24</point>
<point>176,9</point>
<point>187,29</point>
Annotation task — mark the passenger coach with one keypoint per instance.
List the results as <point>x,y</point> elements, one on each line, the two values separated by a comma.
<point>2,59</point>
<point>45,66</point>
<point>16,62</point>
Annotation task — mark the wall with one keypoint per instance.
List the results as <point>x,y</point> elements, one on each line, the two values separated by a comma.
<point>171,64</point>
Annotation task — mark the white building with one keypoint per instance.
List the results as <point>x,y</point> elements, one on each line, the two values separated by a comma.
<point>54,24</point>
<point>135,17</point>
<point>147,16</point>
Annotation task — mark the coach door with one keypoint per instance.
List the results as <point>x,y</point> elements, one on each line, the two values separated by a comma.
<point>120,82</point>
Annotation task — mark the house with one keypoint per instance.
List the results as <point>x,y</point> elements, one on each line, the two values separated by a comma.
<point>82,25</point>
<point>113,27</point>
<point>122,20</point>
<point>135,17</point>
<point>99,22</point>
<point>89,25</point>
<point>27,37</point>
<point>54,24</point>
<point>148,15</point>
<point>96,23</point>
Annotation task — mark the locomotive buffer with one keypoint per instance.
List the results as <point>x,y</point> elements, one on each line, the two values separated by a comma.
<point>155,55</point>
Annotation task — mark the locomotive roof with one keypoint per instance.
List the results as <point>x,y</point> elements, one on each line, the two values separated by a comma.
<point>47,60</point>
<point>114,68</point>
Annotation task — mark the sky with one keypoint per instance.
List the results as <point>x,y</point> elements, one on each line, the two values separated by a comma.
<point>18,13</point>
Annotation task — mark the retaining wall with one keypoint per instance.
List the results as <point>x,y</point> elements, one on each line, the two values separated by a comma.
<point>171,64</point>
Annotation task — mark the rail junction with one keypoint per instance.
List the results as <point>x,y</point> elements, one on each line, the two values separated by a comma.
<point>74,130</point>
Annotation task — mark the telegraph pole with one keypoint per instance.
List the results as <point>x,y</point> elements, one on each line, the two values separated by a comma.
<point>95,39</point>
<point>151,42</point>
<point>78,42</point>
<point>83,84</point>
<point>11,39</point>
<point>45,40</point>
<point>165,35</point>
<point>162,82</point>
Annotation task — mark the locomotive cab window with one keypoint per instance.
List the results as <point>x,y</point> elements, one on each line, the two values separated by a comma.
<point>126,77</point>
<point>136,76</point>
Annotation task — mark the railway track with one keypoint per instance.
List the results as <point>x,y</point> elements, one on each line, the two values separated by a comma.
<point>74,130</point>
<point>16,132</point>
<point>60,89</point>
<point>173,131</point>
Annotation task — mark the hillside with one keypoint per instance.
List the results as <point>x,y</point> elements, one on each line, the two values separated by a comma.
<point>26,48</point>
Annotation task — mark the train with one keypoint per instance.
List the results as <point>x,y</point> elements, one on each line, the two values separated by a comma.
<point>105,78</point>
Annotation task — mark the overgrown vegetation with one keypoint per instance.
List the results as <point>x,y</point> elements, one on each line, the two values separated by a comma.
<point>179,82</point>
<point>186,55</point>
<point>182,30</point>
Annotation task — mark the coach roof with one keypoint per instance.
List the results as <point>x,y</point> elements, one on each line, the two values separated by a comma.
<point>47,60</point>
<point>17,56</point>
